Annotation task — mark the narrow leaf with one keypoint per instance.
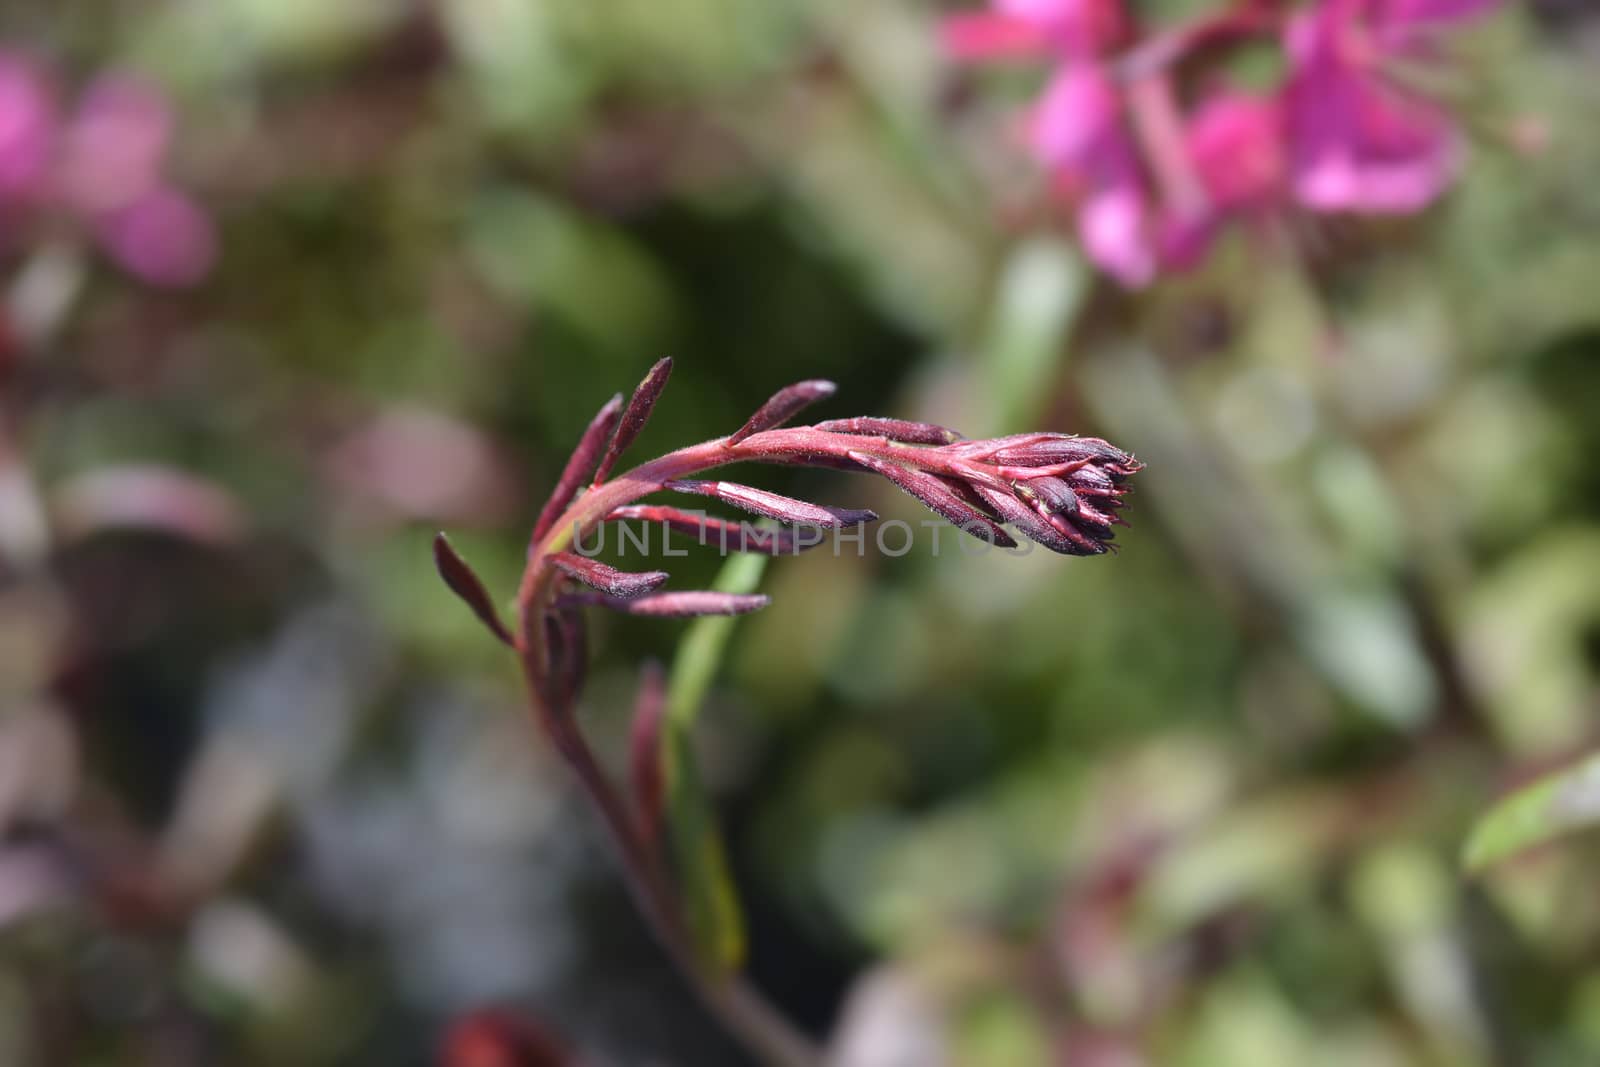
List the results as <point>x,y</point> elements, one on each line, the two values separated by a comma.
<point>671,605</point>
<point>640,405</point>
<point>607,579</point>
<point>784,405</point>
<point>465,583</point>
<point>776,506</point>
<point>581,462</point>
<point>701,647</point>
<point>646,756</point>
<point>911,433</point>
<point>1551,807</point>
<point>711,900</point>
<point>728,536</point>
<point>937,494</point>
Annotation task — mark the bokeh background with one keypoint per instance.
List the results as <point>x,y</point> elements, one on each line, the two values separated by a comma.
<point>269,795</point>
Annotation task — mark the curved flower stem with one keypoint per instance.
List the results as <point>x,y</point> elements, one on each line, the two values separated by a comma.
<point>739,1007</point>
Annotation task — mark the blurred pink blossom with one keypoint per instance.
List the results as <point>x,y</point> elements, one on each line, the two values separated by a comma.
<point>163,238</point>
<point>104,165</point>
<point>1357,141</point>
<point>114,149</point>
<point>1155,169</point>
<point>1236,142</point>
<point>27,119</point>
<point>1033,29</point>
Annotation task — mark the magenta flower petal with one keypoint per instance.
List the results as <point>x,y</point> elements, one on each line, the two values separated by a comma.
<point>1074,118</point>
<point>1355,142</point>
<point>984,35</point>
<point>1077,28</point>
<point>27,126</point>
<point>163,239</point>
<point>1236,142</point>
<point>1113,223</point>
<point>115,146</point>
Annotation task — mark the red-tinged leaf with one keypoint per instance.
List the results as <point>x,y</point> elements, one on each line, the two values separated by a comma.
<point>940,498</point>
<point>728,536</point>
<point>673,605</point>
<point>911,433</point>
<point>607,579</point>
<point>775,505</point>
<point>646,765</point>
<point>465,583</point>
<point>640,405</point>
<point>581,462</point>
<point>784,405</point>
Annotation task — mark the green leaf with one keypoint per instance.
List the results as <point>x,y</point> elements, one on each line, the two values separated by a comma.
<point>1555,805</point>
<point>711,903</point>
<point>1041,291</point>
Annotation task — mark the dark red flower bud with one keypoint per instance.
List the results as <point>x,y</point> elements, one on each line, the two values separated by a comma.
<point>776,506</point>
<point>581,462</point>
<point>911,433</point>
<point>1093,481</point>
<point>607,579</point>
<point>728,536</point>
<point>1048,449</point>
<point>640,405</point>
<point>940,498</point>
<point>1045,449</point>
<point>784,405</point>
<point>1053,532</point>
<point>673,605</point>
<point>1052,495</point>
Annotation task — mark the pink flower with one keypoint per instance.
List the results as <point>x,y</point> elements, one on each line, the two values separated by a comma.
<point>27,127</point>
<point>1235,141</point>
<point>116,147</point>
<point>1357,141</point>
<point>1032,29</point>
<point>106,167</point>
<point>1076,130</point>
<point>162,238</point>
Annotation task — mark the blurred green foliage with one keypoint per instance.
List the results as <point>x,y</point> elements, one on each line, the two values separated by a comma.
<point>1200,803</point>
